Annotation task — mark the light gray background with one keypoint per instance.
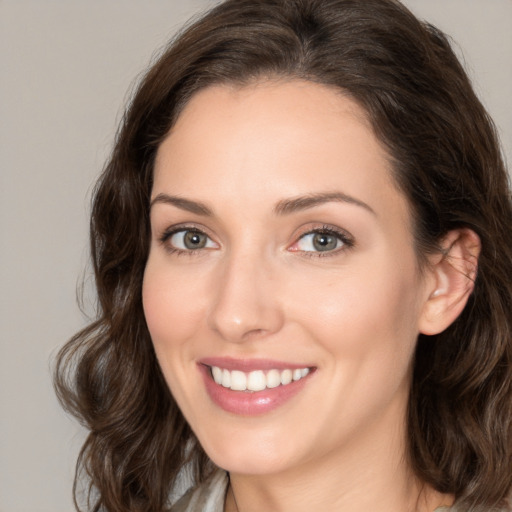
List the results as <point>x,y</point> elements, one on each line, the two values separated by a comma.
<point>66,68</point>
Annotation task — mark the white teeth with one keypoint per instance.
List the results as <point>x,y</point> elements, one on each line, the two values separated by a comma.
<point>286,377</point>
<point>226,378</point>
<point>217,374</point>
<point>273,379</point>
<point>238,381</point>
<point>256,380</point>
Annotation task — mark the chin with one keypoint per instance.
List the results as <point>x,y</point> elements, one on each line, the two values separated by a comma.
<point>250,464</point>
<point>243,453</point>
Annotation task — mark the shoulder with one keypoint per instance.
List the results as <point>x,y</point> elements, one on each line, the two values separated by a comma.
<point>206,497</point>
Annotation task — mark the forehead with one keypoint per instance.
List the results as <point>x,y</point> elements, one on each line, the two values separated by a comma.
<point>256,144</point>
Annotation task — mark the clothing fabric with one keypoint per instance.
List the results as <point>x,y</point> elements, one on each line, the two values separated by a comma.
<point>207,497</point>
<point>211,494</point>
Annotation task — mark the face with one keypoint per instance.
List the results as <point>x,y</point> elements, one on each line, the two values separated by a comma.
<point>282,290</point>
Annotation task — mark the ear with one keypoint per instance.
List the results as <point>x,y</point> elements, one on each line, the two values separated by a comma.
<point>451,280</point>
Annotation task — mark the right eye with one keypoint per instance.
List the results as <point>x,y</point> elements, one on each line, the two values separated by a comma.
<point>187,240</point>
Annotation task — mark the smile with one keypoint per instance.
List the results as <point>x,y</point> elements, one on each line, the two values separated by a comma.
<point>257,380</point>
<point>251,387</point>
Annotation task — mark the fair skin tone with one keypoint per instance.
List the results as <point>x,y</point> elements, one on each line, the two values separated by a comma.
<point>240,269</point>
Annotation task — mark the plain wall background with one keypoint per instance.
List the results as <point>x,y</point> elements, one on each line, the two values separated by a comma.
<point>66,69</point>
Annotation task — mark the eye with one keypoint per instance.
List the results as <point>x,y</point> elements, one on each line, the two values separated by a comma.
<point>188,240</point>
<point>322,240</point>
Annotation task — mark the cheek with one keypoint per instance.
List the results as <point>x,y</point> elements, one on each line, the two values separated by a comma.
<point>173,312</point>
<point>172,304</point>
<point>367,312</point>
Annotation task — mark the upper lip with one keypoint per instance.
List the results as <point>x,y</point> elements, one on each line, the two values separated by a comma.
<point>249,365</point>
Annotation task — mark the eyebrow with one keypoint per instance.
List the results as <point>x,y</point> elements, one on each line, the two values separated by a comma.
<point>283,207</point>
<point>287,206</point>
<point>184,204</point>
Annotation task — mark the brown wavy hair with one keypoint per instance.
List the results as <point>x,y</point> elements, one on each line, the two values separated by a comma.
<point>447,162</point>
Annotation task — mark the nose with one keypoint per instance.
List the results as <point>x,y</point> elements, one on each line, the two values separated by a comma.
<point>246,304</point>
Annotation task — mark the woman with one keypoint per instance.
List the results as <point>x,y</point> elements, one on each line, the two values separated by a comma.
<point>302,254</point>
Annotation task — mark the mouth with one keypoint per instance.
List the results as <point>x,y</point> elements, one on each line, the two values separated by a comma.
<point>257,380</point>
<point>252,387</point>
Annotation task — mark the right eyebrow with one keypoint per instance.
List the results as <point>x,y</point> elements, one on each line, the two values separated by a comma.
<point>184,204</point>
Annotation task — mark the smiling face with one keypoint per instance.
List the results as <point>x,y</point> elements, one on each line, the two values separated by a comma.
<point>282,259</point>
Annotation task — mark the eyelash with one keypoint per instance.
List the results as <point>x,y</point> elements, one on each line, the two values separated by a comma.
<point>169,233</point>
<point>345,238</point>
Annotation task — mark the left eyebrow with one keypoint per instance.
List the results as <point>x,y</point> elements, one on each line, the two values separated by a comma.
<point>287,206</point>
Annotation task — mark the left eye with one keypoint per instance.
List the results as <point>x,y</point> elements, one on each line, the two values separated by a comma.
<point>190,240</point>
<point>319,241</point>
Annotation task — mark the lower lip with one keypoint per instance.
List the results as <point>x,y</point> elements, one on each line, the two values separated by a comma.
<point>250,403</point>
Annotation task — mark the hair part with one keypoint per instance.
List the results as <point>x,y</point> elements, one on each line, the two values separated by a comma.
<point>446,160</point>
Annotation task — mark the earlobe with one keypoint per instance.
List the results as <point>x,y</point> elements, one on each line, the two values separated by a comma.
<point>453,273</point>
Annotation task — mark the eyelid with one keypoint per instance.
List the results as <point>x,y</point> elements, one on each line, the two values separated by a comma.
<point>346,238</point>
<point>184,226</point>
<point>343,235</point>
<point>170,231</point>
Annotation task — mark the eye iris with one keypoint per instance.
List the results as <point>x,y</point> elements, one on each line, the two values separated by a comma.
<point>324,242</point>
<point>194,240</point>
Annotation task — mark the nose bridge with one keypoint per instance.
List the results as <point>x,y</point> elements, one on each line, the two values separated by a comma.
<point>246,304</point>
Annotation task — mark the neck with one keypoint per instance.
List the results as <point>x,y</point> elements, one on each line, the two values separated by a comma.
<point>370,473</point>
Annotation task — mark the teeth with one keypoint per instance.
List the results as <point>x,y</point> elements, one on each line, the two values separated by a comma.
<point>238,380</point>
<point>286,377</point>
<point>217,374</point>
<point>256,380</point>
<point>226,378</point>
<point>273,379</point>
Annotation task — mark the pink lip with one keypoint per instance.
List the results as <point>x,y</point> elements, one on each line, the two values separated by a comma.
<point>247,403</point>
<point>249,365</point>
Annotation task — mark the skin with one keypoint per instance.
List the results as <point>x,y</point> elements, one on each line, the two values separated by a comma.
<point>259,290</point>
